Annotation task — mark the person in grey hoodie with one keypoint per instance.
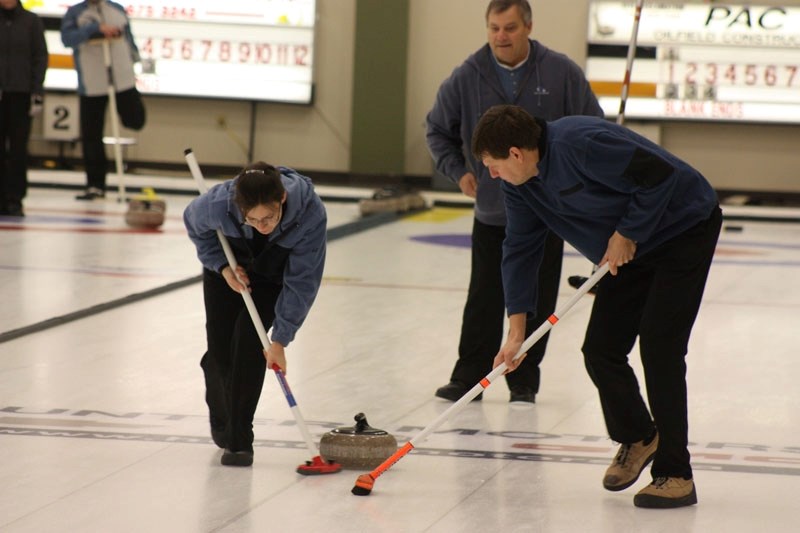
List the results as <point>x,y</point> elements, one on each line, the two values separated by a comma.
<point>84,26</point>
<point>510,69</point>
<point>276,225</point>
<point>23,63</point>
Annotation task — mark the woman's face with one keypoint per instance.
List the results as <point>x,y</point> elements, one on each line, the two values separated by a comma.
<point>264,217</point>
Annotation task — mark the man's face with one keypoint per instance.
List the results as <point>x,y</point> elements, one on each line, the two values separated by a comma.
<point>516,169</point>
<point>508,35</point>
<point>8,4</point>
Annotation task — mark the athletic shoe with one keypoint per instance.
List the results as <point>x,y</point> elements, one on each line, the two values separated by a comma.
<point>454,391</point>
<point>522,396</point>
<point>91,193</point>
<point>14,209</point>
<point>667,493</point>
<point>230,458</point>
<point>577,281</point>
<point>629,463</point>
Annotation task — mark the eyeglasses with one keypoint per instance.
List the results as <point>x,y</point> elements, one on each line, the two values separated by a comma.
<point>270,220</point>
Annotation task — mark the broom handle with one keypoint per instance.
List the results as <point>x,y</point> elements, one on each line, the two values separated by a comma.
<point>197,174</point>
<point>629,62</point>
<point>112,103</point>
<point>526,345</point>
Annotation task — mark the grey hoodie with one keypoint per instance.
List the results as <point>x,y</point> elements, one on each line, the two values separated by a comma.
<point>554,87</point>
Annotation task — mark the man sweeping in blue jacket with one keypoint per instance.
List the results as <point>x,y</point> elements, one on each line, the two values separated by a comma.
<point>618,199</point>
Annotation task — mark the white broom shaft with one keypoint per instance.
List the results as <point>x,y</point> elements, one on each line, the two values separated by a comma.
<point>112,103</point>
<point>502,367</point>
<point>629,62</point>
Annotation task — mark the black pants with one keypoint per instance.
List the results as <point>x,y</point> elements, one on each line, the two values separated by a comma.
<point>93,114</point>
<point>15,130</point>
<point>655,297</point>
<point>484,312</point>
<point>234,365</point>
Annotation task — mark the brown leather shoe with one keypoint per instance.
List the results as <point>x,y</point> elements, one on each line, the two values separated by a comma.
<point>629,462</point>
<point>667,493</point>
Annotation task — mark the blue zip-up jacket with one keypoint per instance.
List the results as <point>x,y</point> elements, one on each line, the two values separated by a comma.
<point>80,24</point>
<point>596,177</point>
<point>554,87</point>
<point>301,231</point>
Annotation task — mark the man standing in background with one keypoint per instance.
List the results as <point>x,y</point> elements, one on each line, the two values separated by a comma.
<point>84,26</point>
<point>510,69</point>
<point>23,63</point>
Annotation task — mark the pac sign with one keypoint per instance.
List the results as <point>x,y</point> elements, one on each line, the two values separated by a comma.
<point>770,18</point>
<point>61,117</point>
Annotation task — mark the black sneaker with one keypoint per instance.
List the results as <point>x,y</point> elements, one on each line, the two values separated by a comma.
<point>91,193</point>
<point>522,396</point>
<point>454,391</point>
<point>577,281</point>
<point>14,209</point>
<point>230,458</point>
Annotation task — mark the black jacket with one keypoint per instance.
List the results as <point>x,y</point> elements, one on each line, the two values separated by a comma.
<point>23,51</point>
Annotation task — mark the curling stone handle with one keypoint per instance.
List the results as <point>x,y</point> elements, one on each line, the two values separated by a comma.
<point>361,422</point>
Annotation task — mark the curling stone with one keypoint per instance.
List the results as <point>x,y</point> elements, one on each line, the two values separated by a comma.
<point>359,447</point>
<point>392,200</point>
<point>146,210</point>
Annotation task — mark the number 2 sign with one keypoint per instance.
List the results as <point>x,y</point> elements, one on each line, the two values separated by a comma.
<point>61,117</point>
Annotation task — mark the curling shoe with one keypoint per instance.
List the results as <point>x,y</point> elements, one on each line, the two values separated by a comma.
<point>521,396</point>
<point>629,462</point>
<point>667,493</point>
<point>243,458</point>
<point>454,391</point>
<point>91,193</point>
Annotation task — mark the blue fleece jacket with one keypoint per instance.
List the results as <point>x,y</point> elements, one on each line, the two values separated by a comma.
<point>596,177</point>
<point>301,230</point>
<point>554,87</point>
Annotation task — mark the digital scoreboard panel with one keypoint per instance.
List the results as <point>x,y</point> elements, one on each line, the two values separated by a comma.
<point>708,62</point>
<point>258,50</point>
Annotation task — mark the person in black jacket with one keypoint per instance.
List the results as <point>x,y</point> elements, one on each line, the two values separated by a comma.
<point>23,62</point>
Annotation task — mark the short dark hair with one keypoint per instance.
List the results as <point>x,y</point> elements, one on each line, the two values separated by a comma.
<point>503,127</point>
<point>257,184</point>
<point>500,6</point>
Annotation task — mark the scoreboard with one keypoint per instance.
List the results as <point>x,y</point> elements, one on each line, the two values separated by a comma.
<point>707,61</point>
<point>259,50</point>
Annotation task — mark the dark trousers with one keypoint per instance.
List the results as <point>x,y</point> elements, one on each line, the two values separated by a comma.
<point>484,311</point>
<point>655,297</point>
<point>93,114</point>
<point>15,130</point>
<point>234,365</point>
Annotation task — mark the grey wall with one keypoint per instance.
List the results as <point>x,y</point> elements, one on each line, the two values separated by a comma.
<point>441,34</point>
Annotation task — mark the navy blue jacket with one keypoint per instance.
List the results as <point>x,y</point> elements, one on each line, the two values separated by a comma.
<point>23,51</point>
<point>596,177</point>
